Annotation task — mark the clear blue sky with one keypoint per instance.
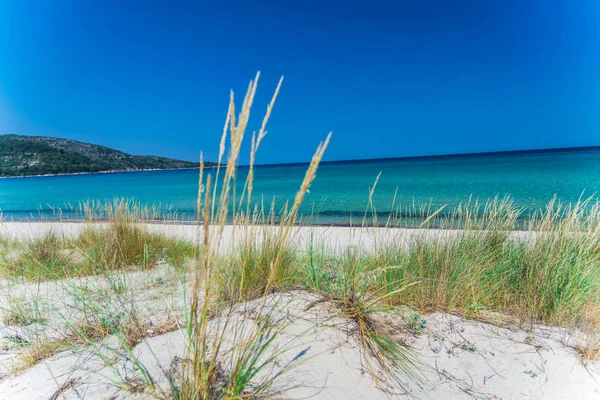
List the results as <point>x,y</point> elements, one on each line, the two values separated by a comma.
<point>396,78</point>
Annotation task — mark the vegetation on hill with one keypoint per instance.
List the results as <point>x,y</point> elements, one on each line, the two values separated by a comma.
<point>38,155</point>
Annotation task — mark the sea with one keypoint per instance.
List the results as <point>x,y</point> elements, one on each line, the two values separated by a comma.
<point>340,193</point>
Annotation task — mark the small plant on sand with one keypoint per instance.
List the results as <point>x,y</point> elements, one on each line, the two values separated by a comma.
<point>107,310</point>
<point>377,341</point>
<point>248,274</point>
<point>36,352</point>
<point>417,323</point>
<point>357,297</point>
<point>590,349</point>
<point>95,326</point>
<point>19,312</point>
<point>123,242</point>
<point>44,257</point>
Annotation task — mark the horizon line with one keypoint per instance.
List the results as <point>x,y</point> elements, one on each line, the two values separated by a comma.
<point>437,156</point>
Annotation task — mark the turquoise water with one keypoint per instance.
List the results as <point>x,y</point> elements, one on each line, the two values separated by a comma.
<point>340,191</point>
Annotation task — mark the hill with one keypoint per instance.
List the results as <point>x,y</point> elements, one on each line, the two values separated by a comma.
<point>39,155</point>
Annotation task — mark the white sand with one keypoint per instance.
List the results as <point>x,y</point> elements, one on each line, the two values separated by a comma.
<point>333,237</point>
<point>460,359</point>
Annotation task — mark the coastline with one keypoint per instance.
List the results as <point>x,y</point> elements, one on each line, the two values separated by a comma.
<point>103,172</point>
<point>192,222</point>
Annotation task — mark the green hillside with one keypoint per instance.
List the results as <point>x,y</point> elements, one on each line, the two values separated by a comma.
<point>38,155</point>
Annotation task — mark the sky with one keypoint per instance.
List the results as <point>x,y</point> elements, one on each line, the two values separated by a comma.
<point>389,79</point>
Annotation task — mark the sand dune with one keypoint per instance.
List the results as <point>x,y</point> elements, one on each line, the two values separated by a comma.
<point>455,358</point>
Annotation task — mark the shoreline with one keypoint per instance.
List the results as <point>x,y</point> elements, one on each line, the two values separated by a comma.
<point>194,223</point>
<point>104,172</point>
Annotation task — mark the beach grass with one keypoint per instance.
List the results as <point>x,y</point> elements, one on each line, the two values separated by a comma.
<point>119,242</point>
<point>126,244</point>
